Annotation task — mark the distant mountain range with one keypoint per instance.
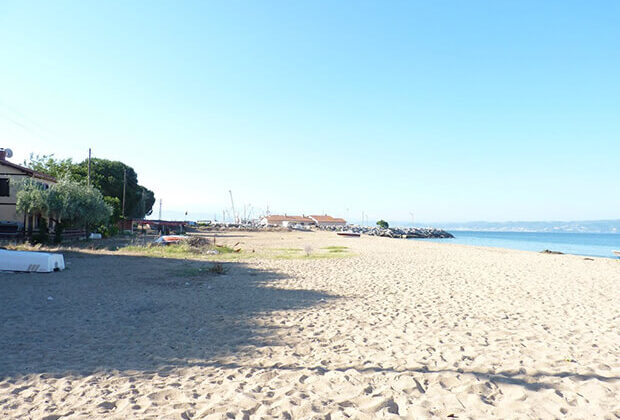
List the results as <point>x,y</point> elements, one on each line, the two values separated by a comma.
<point>582,226</point>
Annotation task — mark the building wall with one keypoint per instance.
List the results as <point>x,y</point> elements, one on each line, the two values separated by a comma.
<point>8,212</point>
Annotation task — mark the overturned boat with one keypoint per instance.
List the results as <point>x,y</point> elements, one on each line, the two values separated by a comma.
<point>30,261</point>
<point>170,239</point>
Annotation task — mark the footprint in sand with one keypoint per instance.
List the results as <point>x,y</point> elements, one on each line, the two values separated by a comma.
<point>166,395</point>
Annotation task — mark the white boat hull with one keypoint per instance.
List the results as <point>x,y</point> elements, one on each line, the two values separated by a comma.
<point>617,253</point>
<point>34,262</point>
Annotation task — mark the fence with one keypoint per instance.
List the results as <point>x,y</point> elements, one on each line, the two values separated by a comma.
<point>67,234</point>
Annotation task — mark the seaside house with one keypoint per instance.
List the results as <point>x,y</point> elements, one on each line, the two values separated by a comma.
<point>326,220</point>
<point>316,220</point>
<point>285,220</point>
<point>12,222</point>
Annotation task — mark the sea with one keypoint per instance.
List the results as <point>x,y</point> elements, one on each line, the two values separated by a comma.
<point>587,244</point>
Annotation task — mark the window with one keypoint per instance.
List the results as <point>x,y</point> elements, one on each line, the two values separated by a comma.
<point>4,187</point>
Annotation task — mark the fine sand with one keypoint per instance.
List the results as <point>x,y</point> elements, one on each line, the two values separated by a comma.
<point>397,329</point>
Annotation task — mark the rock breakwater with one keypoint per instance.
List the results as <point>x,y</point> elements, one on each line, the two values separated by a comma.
<point>413,232</point>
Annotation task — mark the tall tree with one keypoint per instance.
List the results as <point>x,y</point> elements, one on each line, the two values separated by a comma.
<point>107,176</point>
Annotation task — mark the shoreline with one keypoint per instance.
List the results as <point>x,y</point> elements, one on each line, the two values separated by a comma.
<point>513,241</point>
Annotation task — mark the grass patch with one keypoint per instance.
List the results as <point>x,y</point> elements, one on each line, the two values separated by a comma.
<point>308,254</point>
<point>336,249</point>
<point>184,250</point>
<point>223,249</point>
<point>169,251</point>
<point>315,256</point>
<point>194,271</point>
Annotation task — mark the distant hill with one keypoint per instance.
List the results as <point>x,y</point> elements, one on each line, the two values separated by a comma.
<point>582,226</point>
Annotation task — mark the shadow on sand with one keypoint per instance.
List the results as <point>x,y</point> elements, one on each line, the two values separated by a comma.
<point>137,313</point>
<point>533,382</point>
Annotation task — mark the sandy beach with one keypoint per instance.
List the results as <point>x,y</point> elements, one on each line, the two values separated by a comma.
<point>391,328</point>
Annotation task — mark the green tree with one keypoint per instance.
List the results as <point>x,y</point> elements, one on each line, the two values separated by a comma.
<point>106,175</point>
<point>32,197</point>
<point>115,205</point>
<point>68,203</point>
<point>383,224</point>
<point>48,164</point>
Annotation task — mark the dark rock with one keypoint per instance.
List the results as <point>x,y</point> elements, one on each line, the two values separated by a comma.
<point>548,251</point>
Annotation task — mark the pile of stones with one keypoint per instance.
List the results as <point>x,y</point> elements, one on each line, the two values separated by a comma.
<point>412,232</point>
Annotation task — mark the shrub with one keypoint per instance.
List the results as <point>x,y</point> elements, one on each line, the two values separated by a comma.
<point>307,250</point>
<point>217,268</point>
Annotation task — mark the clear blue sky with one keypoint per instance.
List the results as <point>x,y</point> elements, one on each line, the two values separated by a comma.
<point>455,110</point>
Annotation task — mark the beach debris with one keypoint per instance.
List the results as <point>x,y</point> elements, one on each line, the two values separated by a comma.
<point>198,241</point>
<point>548,251</point>
<point>217,268</point>
<point>212,252</point>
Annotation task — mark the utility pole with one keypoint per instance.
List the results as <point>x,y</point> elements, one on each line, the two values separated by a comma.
<point>160,209</point>
<point>232,203</point>
<point>89,167</point>
<point>124,187</point>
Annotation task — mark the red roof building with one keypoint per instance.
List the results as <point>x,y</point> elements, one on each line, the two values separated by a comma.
<point>286,220</point>
<point>326,220</point>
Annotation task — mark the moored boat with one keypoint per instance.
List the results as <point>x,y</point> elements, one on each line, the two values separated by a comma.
<point>616,253</point>
<point>348,234</point>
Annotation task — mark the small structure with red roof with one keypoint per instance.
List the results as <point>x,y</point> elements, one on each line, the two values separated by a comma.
<point>325,220</point>
<point>286,220</point>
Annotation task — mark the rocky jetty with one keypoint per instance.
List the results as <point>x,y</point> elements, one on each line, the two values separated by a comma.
<point>416,232</point>
<point>413,232</point>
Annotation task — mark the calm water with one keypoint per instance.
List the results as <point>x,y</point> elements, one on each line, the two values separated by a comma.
<point>591,244</point>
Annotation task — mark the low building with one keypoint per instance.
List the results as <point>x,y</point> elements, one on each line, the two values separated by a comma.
<point>11,221</point>
<point>326,220</point>
<point>286,220</point>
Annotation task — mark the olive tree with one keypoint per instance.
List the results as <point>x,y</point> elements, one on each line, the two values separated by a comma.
<point>67,203</point>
